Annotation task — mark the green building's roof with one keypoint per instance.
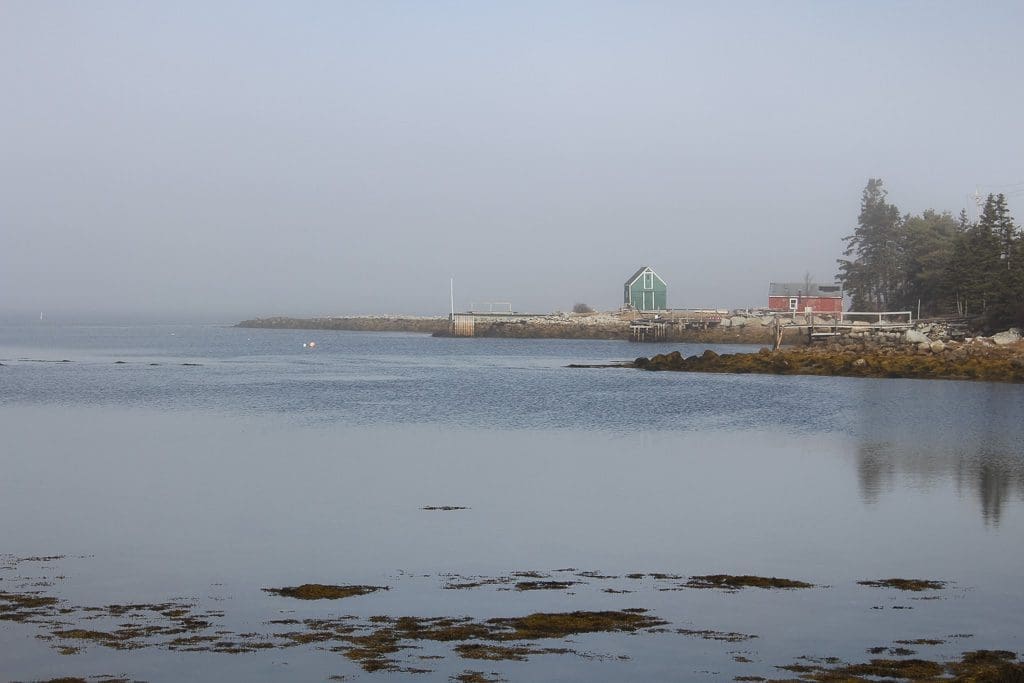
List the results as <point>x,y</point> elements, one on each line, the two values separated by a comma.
<point>636,276</point>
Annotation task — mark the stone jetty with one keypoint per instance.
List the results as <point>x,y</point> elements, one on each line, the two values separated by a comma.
<point>681,327</point>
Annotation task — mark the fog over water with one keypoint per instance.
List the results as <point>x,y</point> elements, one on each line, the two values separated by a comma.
<point>237,159</point>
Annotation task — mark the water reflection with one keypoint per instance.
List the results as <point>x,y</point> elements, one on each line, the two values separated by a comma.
<point>920,435</point>
<point>875,471</point>
<point>995,478</point>
<point>996,483</point>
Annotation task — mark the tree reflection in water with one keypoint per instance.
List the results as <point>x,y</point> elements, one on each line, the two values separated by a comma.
<point>915,434</point>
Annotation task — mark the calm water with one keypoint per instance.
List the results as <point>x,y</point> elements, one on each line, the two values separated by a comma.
<point>267,464</point>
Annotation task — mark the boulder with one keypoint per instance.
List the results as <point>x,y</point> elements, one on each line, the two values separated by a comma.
<point>915,337</point>
<point>1010,336</point>
<point>738,321</point>
<point>937,347</point>
<point>924,346</point>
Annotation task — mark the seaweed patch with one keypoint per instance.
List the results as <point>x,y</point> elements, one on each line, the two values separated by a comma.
<point>915,585</point>
<point>544,585</point>
<point>977,666</point>
<point>736,582</point>
<point>319,591</point>
<point>707,634</point>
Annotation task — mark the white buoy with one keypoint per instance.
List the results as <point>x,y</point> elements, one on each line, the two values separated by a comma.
<point>312,345</point>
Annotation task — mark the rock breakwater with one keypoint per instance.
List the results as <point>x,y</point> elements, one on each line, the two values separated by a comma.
<point>552,326</point>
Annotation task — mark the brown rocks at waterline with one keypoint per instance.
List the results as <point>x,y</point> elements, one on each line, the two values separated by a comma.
<point>928,360</point>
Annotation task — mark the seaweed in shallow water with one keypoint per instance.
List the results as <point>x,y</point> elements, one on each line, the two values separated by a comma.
<point>319,591</point>
<point>979,666</point>
<point>735,582</point>
<point>905,584</point>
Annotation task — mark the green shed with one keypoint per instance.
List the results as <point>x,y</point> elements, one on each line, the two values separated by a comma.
<point>645,291</point>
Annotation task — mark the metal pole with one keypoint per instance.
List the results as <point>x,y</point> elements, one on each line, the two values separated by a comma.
<point>451,287</point>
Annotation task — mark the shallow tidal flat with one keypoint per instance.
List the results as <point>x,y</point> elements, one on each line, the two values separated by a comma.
<point>366,637</point>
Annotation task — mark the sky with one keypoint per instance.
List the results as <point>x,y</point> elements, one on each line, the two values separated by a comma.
<point>242,159</point>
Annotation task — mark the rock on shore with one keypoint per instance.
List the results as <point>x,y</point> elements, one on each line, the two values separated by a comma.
<point>970,361</point>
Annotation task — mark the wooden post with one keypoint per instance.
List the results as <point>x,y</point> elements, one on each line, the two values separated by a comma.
<point>776,334</point>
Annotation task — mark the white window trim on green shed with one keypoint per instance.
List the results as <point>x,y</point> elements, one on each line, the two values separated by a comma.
<point>651,295</point>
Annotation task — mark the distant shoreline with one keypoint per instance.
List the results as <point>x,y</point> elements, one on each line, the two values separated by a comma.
<point>373,323</point>
<point>556,326</point>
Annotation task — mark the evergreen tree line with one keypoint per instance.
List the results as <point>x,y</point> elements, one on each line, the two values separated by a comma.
<point>946,265</point>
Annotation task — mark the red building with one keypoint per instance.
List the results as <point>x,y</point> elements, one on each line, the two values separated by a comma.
<point>799,296</point>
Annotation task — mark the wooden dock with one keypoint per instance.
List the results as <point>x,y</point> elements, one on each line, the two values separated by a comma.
<point>658,328</point>
<point>648,330</point>
<point>843,325</point>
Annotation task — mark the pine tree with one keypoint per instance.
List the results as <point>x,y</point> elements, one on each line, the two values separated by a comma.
<point>943,264</point>
<point>976,257</point>
<point>1004,279</point>
<point>956,270</point>
<point>928,249</point>
<point>874,276</point>
<point>998,215</point>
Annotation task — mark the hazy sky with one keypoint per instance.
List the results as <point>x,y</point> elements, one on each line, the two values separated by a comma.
<point>244,158</point>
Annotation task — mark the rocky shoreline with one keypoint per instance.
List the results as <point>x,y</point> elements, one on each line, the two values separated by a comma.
<point>990,359</point>
<point>615,326</point>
